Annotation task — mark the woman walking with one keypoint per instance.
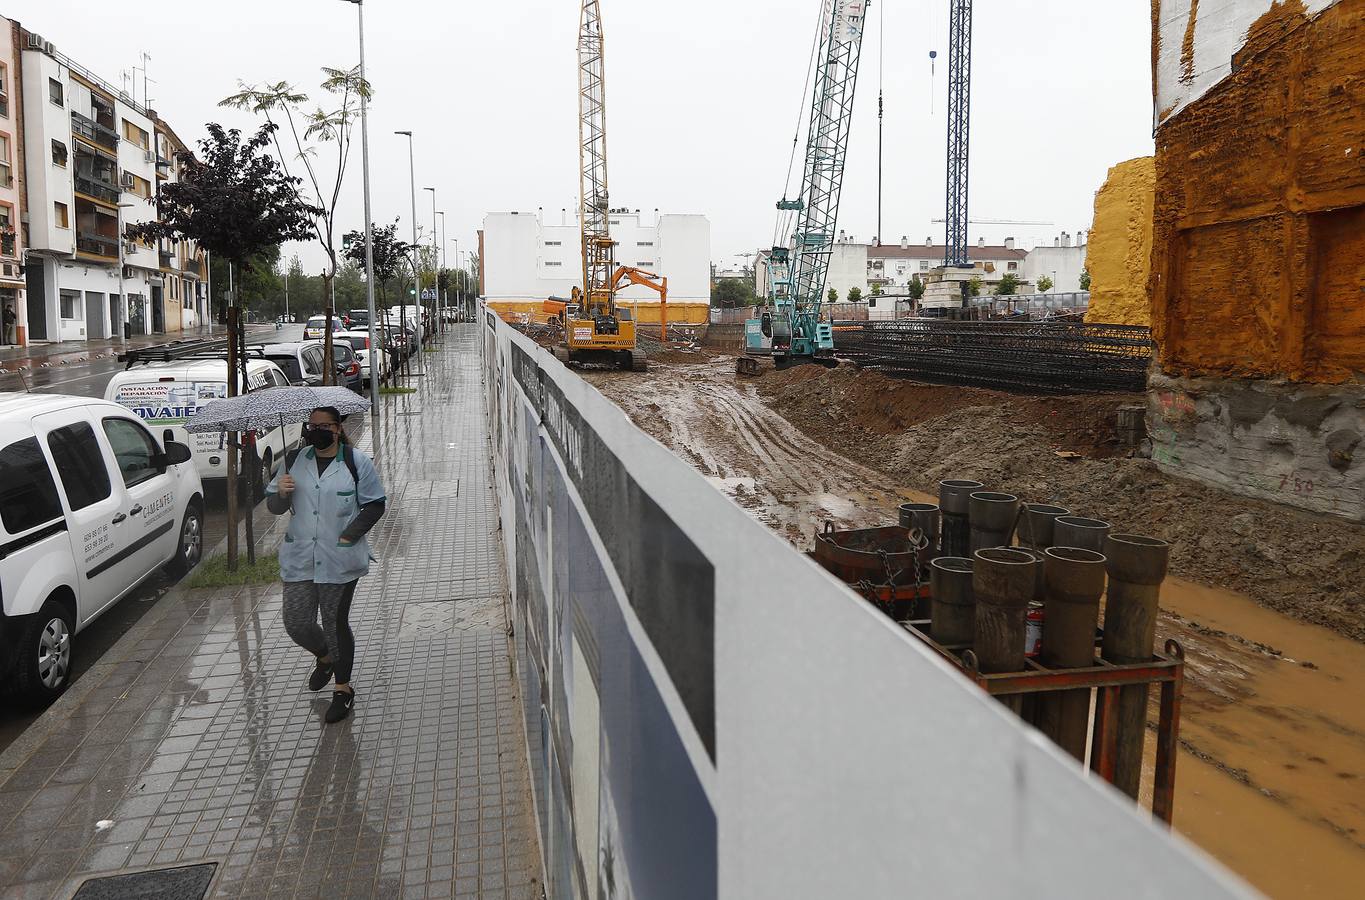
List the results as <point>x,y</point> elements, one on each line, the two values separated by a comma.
<point>336,497</point>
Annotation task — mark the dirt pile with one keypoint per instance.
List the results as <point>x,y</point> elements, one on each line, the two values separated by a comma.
<point>1296,563</point>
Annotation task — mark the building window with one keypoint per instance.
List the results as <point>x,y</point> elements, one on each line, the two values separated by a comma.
<point>59,209</point>
<point>1013,267</point>
<point>644,243</point>
<point>54,92</point>
<point>140,186</point>
<point>6,171</point>
<point>552,263</point>
<point>924,265</point>
<point>979,264</point>
<point>4,90</point>
<point>58,153</point>
<point>71,304</point>
<point>553,243</point>
<point>136,135</point>
<point>645,263</point>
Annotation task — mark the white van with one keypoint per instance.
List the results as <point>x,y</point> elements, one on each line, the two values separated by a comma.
<point>91,503</point>
<point>166,393</point>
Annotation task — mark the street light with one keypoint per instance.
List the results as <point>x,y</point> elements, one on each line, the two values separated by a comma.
<point>375,351</point>
<point>416,267</point>
<point>435,252</point>
<point>445,268</point>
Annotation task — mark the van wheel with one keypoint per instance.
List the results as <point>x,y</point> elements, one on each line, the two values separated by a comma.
<point>43,669</point>
<point>190,548</point>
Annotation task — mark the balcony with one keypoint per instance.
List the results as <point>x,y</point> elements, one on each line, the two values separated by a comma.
<point>163,167</point>
<point>93,131</point>
<point>192,267</point>
<point>96,244</point>
<point>166,259</point>
<point>97,188</point>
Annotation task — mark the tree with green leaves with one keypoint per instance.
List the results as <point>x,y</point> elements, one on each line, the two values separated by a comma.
<point>974,286</point>
<point>238,204</point>
<point>916,289</point>
<point>855,295</point>
<point>833,296</point>
<point>1007,286</point>
<point>877,289</point>
<point>1044,283</point>
<point>1085,279</point>
<point>310,133</point>
<point>391,255</point>
<point>731,293</point>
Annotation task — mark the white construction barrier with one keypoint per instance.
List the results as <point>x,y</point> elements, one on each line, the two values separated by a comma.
<point>709,714</point>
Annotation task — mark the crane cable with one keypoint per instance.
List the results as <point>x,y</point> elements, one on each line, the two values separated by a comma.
<point>784,217</point>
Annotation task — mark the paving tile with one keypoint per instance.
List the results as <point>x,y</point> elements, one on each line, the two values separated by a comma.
<point>205,745</point>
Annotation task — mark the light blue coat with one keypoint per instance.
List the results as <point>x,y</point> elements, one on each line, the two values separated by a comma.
<point>322,510</point>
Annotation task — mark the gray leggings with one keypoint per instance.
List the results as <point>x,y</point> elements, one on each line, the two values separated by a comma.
<point>303,601</point>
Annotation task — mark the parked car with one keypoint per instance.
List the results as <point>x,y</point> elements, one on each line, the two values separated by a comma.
<point>360,319</point>
<point>316,328</point>
<point>360,343</point>
<point>91,504</point>
<point>301,361</point>
<point>166,393</point>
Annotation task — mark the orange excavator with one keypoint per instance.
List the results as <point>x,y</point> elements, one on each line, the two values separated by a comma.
<point>596,330</point>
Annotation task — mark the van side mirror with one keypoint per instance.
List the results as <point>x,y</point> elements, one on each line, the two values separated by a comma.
<point>177,453</point>
<point>167,437</point>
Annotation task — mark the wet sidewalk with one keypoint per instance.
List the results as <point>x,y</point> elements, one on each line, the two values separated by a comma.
<point>196,741</point>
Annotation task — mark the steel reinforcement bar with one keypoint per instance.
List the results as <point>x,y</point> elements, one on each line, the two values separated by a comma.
<point>1039,356</point>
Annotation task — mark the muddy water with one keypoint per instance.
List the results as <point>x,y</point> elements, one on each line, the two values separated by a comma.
<point>1271,777</point>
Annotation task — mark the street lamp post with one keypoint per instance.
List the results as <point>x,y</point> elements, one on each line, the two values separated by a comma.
<point>444,268</point>
<point>375,351</point>
<point>435,254</point>
<point>416,266</point>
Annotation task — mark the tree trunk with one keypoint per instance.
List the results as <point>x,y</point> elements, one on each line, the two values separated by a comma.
<point>329,369</point>
<point>232,323</point>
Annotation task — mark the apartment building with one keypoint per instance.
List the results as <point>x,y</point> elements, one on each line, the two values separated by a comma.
<point>80,164</point>
<point>893,265</point>
<point>12,286</point>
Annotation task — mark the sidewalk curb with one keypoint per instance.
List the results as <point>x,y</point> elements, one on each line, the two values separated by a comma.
<point>27,743</point>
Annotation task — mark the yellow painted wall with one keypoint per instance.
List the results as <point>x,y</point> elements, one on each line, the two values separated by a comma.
<point>1119,257</point>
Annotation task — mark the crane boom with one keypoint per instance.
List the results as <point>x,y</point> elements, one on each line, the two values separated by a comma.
<point>826,150</point>
<point>797,272</point>
<point>595,208</point>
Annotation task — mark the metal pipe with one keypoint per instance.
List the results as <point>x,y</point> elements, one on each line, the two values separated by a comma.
<point>1074,531</point>
<point>953,500</point>
<point>952,616</point>
<point>991,518</point>
<point>1075,583</point>
<point>1036,524</point>
<point>1136,566</point>
<point>923,516</point>
<point>1002,582</point>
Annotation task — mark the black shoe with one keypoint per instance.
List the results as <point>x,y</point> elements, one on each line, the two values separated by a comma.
<point>322,674</point>
<point>342,701</point>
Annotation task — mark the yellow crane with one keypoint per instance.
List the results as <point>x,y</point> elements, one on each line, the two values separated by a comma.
<point>596,330</point>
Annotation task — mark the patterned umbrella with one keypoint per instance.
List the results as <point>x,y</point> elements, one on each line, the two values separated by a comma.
<point>262,410</point>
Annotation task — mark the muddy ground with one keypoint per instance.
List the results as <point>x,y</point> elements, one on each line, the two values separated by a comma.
<point>1272,780</point>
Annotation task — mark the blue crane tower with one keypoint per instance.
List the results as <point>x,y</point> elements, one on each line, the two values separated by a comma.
<point>959,130</point>
<point>797,271</point>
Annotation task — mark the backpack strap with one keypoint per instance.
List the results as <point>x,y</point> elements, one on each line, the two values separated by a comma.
<point>348,457</point>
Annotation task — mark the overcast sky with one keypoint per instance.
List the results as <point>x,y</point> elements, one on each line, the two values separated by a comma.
<point>702,101</point>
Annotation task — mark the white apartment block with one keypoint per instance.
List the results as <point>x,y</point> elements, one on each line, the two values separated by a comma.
<point>526,260</point>
<point>94,161</point>
<point>894,265</point>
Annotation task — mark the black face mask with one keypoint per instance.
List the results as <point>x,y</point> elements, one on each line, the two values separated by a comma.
<point>320,438</point>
